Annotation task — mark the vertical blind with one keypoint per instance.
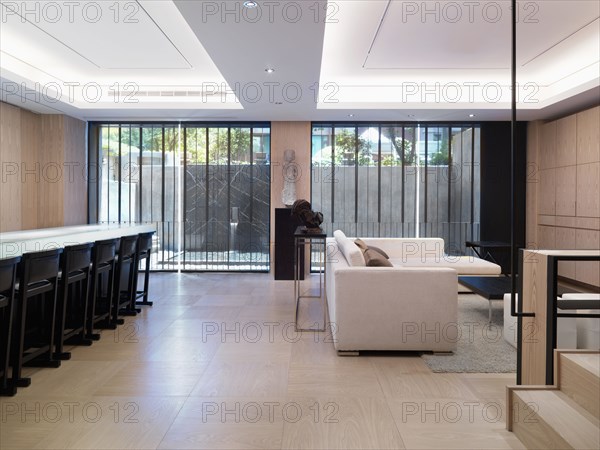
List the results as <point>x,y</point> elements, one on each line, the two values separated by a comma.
<point>385,180</point>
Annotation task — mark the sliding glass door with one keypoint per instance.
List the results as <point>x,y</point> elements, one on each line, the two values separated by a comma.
<point>207,189</point>
<point>227,192</point>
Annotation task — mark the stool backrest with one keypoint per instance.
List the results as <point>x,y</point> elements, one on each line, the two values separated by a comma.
<point>145,242</point>
<point>104,251</point>
<point>127,247</point>
<point>76,257</point>
<point>8,270</point>
<point>39,266</point>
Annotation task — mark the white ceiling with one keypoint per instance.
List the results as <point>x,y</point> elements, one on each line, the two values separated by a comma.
<point>341,60</point>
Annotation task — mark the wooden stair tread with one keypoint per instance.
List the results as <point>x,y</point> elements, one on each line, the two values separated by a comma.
<point>579,408</point>
<point>588,361</point>
<point>559,413</point>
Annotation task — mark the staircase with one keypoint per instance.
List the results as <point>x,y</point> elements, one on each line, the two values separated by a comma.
<point>566,415</point>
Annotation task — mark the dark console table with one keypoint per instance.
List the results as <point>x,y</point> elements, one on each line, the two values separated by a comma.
<point>285,226</point>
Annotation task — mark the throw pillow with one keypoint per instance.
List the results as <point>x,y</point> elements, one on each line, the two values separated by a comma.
<point>361,244</point>
<point>376,259</point>
<point>377,249</point>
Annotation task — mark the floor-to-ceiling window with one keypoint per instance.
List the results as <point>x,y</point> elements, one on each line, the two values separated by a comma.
<point>205,186</point>
<point>398,180</point>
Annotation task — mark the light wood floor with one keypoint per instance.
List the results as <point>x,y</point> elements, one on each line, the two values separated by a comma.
<point>215,363</point>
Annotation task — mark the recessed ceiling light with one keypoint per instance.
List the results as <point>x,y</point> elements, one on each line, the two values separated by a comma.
<point>249,4</point>
<point>471,115</point>
<point>350,115</point>
<point>269,70</point>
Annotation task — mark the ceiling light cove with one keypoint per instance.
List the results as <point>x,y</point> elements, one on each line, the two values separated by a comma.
<point>429,55</point>
<point>250,4</point>
<point>147,57</point>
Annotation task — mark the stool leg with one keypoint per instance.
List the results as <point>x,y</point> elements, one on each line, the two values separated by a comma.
<point>132,287</point>
<point>7,388</point>
<point>18,339</point>
<point>61,320</point>
<point>91,311</point>
<point>146,283</point>
<point>48,360</point>
<point>84,302</point>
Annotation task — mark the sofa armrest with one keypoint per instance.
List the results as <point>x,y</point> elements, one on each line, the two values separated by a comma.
<point>389,308</point>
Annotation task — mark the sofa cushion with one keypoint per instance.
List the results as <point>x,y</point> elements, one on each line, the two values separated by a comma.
<point>375,259</point>
<point>363,246</point>
<point>351,252</point>
<point>464,265</point>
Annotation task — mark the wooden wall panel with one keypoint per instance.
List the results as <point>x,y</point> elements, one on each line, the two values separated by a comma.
<point>75,173</point>
<point>566,141</point>
<point>31,168</point>
<point>588,136</point>
<point>10,163</point>
<point>533,182</point>
<point>588,190</point>
<point>294,136</point>
<point>51,157</point>
<point>565,204</point>
<point>547,237</point>
<point>547,201</point>
<point>566,194</point>
<point>547,151</point>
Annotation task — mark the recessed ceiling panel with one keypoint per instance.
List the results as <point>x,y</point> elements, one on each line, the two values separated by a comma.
<point>109,35</point>
<point>472,35</point>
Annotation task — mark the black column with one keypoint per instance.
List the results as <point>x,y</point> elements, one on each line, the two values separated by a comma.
<point>496,186</point>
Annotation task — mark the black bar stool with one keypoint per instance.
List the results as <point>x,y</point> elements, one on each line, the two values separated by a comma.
<point>144,251</point>
<point>34,325</point>
<point>123,295</point>
<point>101,300</point>
<point>74,284</point>
<point>8,274</point>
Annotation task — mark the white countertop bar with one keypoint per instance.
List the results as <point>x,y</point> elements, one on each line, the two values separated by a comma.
<point>19,242</point>
<point>40,233</point>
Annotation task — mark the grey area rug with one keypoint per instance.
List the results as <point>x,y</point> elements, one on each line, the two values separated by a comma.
<point>481,348</point>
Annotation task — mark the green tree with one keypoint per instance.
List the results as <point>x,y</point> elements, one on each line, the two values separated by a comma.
<point>403,147</point>
<point>439,158</point>
<point>346,142</point>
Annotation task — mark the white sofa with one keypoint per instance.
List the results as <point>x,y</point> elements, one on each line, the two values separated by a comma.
<point>391,308</point>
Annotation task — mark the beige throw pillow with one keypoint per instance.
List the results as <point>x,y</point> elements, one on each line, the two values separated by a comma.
<point>363,246</point>
<point>375,259</point>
